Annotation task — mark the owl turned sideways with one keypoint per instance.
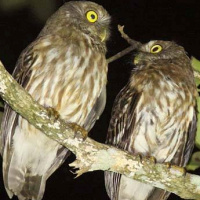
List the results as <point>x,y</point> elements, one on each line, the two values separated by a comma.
<point>154,115</point>
<point>65,69</point>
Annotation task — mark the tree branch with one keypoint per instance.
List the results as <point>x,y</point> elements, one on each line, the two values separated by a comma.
<point>121,54</point>
<point>134,45</point>
<point>127,38</point>
<point>92,155</point>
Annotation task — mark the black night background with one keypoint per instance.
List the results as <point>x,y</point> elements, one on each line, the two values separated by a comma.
<point>144,20</point>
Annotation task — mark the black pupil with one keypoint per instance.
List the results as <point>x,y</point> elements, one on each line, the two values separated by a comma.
<point>92,16</point>
<point>155,49</point>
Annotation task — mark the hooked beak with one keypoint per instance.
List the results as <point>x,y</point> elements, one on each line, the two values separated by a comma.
<point>136,60</point>
<point>136,46</point>
<point>103,35</point>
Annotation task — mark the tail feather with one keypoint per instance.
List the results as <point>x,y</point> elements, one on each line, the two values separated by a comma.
<point>26,186</point>
<point>120,187</point>
<point>130,189</point>
<point>33,188</point>
<point>159,194</point>
<point>24,181</point>
<point>12,175</point>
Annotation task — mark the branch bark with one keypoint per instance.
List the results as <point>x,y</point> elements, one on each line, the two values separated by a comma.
<point>91,155</point>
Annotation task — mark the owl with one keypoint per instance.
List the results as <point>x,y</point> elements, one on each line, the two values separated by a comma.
<point>65,69</point>
<point>154,115</point>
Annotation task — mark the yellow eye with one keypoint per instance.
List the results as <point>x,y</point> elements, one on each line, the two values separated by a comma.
<point>91,16</point>
<point>156,48</point>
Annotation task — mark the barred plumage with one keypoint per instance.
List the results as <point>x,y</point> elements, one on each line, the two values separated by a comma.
<point>154,115</point>
<point>64,68</point>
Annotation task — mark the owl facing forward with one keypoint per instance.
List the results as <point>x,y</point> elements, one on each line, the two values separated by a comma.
<point>154,115</point>
<point>64,68</point>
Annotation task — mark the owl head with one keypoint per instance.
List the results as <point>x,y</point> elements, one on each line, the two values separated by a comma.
<point>85,17</point>
<point>157,50</point>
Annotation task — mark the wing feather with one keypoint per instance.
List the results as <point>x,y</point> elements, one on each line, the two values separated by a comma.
<point>21,75</point>
<point>120,129</point>
<point>96,111</point>
<point>190,138</point>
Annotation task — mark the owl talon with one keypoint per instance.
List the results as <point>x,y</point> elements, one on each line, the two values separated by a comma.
<point>149,159</point>
<point>180,169</point>
<point>167,164</point>
<point>80,132</point>
<point>152,159</point>
<point>139,157</point>
<point>183,170</point>
<point>52,113</point>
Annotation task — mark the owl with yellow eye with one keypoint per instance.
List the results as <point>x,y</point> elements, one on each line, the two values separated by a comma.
<point>154,115</point>
<point>65,69</point>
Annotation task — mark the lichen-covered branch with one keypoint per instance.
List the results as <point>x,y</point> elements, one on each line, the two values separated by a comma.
<point>92,155</point>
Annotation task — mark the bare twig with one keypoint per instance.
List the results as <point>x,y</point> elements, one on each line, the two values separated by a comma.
<point>120,54</point>
<point>134,45</point>
<point>127,38</point>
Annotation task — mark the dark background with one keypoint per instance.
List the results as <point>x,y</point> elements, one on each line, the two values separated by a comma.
<point>144,20</point>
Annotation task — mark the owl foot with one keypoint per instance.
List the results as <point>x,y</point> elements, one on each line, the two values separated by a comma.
<point>179,169</point>
<point>52,113</point>
<point>139,157</point>
<point>167,164</point>
<point>79,132</point>
<point>151,159</point>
